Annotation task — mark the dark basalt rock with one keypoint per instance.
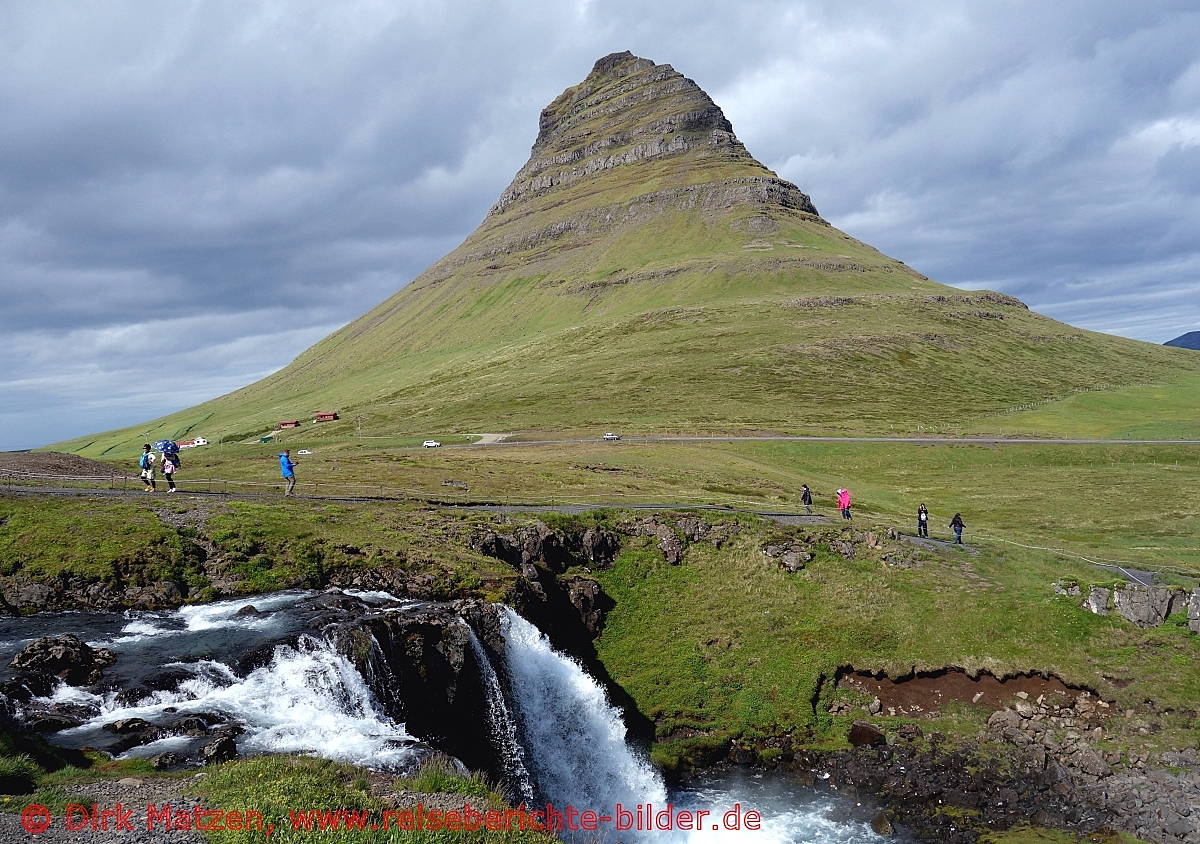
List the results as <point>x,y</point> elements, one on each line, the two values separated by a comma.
<point>862,734</point>
<point>128,725</point>
<point>67,657</point>
<point>50,722</point>
<point>600,547</point>
<point>538,545</point>
<point>420,663</point>
<point>167,680</point>
<point>223,749</point>
<point>167,761</point>
<point>589,599</point>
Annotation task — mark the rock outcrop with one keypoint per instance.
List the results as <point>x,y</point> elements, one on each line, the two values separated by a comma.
<point>1148,606</point>
<point>66,657</point>
<point>628,111</point>
<point>557,550</point>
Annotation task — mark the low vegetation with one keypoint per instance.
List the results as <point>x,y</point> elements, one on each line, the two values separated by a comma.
<point>282,788</point>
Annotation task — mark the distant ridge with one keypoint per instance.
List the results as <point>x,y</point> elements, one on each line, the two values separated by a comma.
<point>1191,340</point>
<point>643,273</point>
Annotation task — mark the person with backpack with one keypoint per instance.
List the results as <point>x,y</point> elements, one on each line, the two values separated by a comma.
<point>923,521</point>
<point>844,503</point>
<point>289,471</point>
<point>806,499</point>
<point>146,464</point>
<point>957,524</point>
<point>170,465</point>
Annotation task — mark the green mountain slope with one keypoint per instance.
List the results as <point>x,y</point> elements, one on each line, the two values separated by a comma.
<point>644,272</point>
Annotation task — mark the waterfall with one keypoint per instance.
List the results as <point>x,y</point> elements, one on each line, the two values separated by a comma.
<point>575,739</point>
<point>503,730</point>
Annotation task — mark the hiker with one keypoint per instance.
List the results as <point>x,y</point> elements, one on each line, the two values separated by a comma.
<point>806,498</point>
<point>844,503</point>
<point>146,464</point>
<point>923,521</point>
<point>170,465</point>
<point>289,471</point>
<point>957,524</point>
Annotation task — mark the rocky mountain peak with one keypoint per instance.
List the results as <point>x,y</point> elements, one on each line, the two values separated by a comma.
<point>629,113</point>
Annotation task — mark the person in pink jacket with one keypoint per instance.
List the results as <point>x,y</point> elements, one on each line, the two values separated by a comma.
<point>844,503</point>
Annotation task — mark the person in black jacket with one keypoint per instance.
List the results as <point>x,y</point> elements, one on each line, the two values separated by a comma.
<point>957,524</point>
<point>923,521</point>
<point>806,498</point>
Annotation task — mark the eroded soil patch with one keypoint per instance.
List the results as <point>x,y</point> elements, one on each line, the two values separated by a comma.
<point>928,691</point>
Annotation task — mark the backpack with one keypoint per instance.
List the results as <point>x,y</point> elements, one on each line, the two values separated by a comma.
<point>144,463</point>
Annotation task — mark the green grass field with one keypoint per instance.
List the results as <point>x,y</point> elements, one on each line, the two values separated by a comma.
<point>1130,504</point>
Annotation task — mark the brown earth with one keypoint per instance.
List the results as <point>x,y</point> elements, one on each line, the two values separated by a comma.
<point>57,464</point>
<point>926,692</point>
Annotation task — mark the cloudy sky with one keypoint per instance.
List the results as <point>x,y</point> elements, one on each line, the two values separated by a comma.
<point>193,192</point>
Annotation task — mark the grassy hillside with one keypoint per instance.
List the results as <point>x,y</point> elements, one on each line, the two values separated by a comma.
<point>643,271</point>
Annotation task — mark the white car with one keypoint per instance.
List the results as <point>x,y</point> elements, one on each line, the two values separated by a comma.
<point>304,451</point>
<point>431,444</point>
<point>611,438</point>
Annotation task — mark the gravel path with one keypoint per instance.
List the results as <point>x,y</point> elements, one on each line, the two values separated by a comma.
<point>135,794</point>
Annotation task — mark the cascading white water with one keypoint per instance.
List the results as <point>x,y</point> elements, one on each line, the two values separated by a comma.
<point>309,699</point>
<point>574,737</point>
<point>503,730</point>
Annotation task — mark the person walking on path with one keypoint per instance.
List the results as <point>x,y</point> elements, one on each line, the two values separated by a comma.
<point>957,524</point>
<point>806,499</point>
<point>170,465</point>
<point>289,471</point>
<point>844,503</point>
<point>923,521</point>
<point>146,464</point>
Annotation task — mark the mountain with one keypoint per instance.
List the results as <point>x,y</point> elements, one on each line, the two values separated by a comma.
<point>1191,340</point>
<point>643,272</point>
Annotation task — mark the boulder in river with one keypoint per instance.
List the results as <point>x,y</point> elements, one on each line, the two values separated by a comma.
<point>67,657</point>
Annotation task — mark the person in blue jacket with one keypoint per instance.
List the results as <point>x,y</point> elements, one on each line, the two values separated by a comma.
<point>289,470</point>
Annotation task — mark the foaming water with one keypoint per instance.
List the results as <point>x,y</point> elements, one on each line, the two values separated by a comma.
<point>503,728</point>
<point>575,739</point>
<point>309,699</point>
<point>204,618</point>
<point>225,613</point>
<point>790,813</point>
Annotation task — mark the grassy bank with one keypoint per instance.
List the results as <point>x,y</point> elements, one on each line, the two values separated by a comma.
<point>1139,505</point>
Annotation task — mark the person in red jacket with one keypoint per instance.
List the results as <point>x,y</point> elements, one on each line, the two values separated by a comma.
<point>844,503</point>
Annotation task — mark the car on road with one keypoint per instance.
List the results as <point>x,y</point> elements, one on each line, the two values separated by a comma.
<point>431,444</point>
<point>304,451</point>
<point>611,438</point>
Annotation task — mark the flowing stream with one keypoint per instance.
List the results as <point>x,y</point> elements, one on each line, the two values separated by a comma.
<point>557,736</point>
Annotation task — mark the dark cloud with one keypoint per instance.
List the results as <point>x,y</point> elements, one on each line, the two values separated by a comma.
<point>208,188</point>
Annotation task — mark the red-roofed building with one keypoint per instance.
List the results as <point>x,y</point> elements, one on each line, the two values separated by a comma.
<point>326,416</point>
<point>290,423</point>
